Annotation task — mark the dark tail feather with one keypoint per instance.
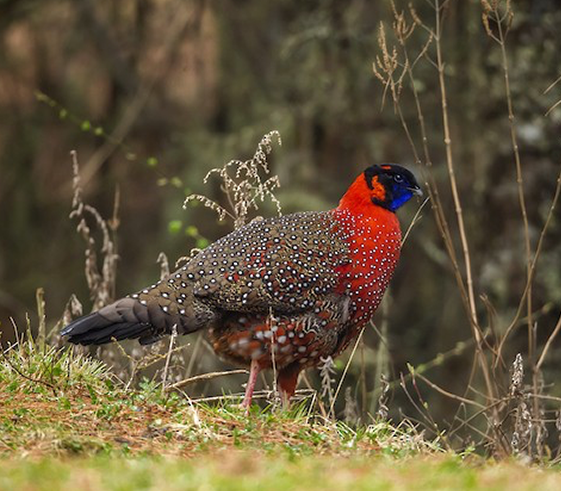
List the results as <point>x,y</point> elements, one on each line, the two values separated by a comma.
<point>146,316</point>
<point>94,329</point>
<point>120,320</point>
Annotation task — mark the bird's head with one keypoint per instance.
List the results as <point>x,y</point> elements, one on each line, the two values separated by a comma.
<point>387,185</point>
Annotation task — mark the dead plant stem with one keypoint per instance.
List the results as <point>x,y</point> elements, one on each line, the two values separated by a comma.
<point>519,181</point>
<point>205,376</point>
<point>539,246</point>
<point>458,207</point>
<point>332,408</point>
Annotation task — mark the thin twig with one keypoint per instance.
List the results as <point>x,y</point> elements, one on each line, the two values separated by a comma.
<point>449,394</point>
<point>458,207</point>
<point>205,376</point>
<point>416,218</point>
<point>519,177</point>
<point>271,319</point>
<point>331,409</point>
<point>168,357</point>
<point>258,394</point>
<point>545,227</point>
<point>552,336</point>
<point>42,330</point>
<point>27,377</point>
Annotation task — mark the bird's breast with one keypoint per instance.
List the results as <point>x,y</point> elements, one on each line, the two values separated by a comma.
<point>374,243</point>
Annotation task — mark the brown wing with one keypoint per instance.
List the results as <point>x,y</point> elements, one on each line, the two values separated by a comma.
<point>285,264</point>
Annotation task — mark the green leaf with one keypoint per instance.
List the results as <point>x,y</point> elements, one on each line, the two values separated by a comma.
<point>152,161</point>
<point>192,231</point>
<point>93,395</point>
<point>64,402</point>
<point>202,243</point>
<point>176,182</point>
<point>86,126</point>
<point>175,226</point>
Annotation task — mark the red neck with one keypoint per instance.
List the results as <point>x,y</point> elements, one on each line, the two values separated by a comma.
<point>357,200</point>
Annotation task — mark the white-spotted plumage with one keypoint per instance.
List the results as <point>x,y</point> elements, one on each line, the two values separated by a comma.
<point>295,288</point>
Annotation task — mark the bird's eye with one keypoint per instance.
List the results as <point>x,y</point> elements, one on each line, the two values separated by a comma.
<point>398,178</point>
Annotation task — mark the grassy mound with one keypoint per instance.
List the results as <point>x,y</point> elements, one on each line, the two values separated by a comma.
<point>54,401</point>
<point>67,423</point>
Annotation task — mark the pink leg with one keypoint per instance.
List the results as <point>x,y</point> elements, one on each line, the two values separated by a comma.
<point>250,387</point>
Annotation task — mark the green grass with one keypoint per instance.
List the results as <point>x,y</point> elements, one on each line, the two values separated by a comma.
<point>244,470</point>
<point>67,423</point>
<point>55,402</point>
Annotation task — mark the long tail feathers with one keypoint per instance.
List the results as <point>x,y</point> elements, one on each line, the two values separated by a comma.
<point>124,319</point>
<point>147,316</point>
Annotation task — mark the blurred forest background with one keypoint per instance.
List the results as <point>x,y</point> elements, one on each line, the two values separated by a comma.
<point>152,94</point>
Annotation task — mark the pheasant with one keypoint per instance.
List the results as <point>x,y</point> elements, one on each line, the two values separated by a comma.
<point>288,290</point>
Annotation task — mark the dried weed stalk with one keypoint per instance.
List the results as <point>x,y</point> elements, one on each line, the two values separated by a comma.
<point>387,64</point>
<point>168,358</point>
<point>101,282</point>
<point>164,265</point>
<point>72,310</point>
<point>383,410</point>
<point>351,413</point>
<point>244,184</point>
<point>520,441</point>
<point>498,13</point>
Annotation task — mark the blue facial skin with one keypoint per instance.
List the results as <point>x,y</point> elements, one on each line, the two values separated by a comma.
<point>401,194</point>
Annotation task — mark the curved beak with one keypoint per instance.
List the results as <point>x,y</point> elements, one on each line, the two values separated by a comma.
<point>417,190</point>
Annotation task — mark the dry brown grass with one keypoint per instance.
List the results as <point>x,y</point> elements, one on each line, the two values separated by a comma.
<point>506,421</point>
<point>36,424</point>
